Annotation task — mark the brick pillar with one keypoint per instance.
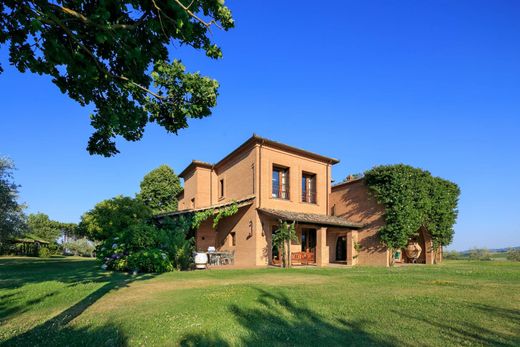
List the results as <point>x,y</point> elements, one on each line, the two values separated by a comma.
<point>322,249</point>
<point>352,254</point>
<point>429,253</point>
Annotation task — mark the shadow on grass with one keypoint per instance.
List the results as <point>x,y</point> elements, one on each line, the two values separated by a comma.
<point>56,331</point>
<point>469,333</point>
<point>17,272</point>
<point>279,321</point>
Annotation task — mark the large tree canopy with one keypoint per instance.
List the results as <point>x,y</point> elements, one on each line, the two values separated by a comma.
<point>111,216</point>
<point>42,227</point>
<point>159,189</point>
<point>413,198</point>
<point>12,218</point>
<point>113,54</point>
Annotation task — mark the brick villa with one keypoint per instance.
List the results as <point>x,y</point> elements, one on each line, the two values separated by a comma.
<point>271,181</point>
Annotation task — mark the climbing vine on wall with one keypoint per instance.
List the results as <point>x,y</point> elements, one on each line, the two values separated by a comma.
<point>222,212</point>
<point>225,212</point>
<point>413,198</point>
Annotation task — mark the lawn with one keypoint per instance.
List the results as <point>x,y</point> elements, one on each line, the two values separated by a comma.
<point>72,302</point>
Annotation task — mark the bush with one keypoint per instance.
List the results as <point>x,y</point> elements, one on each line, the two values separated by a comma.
<point>453,255</point>
<point>129,240</point>
<point>480,254</point>
<point>55,249</point>
<point>153,260</point>
<point>44,252</point>
<point>513,254</point>
<point>82,247</point>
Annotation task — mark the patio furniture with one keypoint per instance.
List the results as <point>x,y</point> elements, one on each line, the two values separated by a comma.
<point>228,258</point>
<point>221,258</point>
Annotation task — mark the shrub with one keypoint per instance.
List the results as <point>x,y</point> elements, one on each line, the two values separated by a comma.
<point>153,260</point>
<point>44,252</point>
<point>82,247</point>
<point>129,240</point>
<point>479,254</point>
<point>453,255</point>
<point>513,254</point>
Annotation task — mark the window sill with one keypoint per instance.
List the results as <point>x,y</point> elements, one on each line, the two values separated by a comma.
<point>282,199</point>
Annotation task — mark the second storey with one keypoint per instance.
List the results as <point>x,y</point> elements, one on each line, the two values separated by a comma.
<point>280,177</point>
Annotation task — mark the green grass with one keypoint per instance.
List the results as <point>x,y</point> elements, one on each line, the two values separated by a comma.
<point>72,302</point>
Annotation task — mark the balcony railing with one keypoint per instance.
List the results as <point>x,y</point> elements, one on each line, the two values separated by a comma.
<point>308,196</point>
<point>280,192</point>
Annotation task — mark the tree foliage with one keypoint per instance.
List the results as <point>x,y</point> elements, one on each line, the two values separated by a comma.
<point>114,55</point>
<point>39,225</point>
<point>159,189</point>
<point>130,239</point>
<point>513,254</point>
<point>111,216</point>
<point>82,247</point>
<point>413,198</point>
<point>12,218</point>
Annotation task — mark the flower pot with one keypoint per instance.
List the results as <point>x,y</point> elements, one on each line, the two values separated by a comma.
<point>201,260</point>
<point>413,250</point>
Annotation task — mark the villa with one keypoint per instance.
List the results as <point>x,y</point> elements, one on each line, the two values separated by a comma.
<point>271,181</point>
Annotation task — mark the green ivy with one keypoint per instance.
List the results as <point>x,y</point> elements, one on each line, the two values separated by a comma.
<point>413,198</point>
<point>223,212</point>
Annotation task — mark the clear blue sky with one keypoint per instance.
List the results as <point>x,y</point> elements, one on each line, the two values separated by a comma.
<point>434,84</point>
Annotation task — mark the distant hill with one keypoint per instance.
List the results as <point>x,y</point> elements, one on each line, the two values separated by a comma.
<point>493,250</point>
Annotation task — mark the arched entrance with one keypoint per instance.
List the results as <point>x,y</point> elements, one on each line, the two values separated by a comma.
<point>341,248</point>
<point>423,239</point>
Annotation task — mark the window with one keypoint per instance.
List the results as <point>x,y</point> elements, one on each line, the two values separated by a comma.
<point>193,203</point>
<point>233,238</point>
<point>309,188</point>
<point>280,183</point>
<point>221,186</point>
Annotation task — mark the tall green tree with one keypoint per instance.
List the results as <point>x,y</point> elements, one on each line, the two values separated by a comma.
<point>110,217</point>
<point>41,226</point>
<point>12,218</point>
<point>114,55</point>
<point>159,189</point>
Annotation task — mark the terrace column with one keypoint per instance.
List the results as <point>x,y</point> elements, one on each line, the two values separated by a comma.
<point>352,254</point>
<point>322,250</point>
<point>429,252</point>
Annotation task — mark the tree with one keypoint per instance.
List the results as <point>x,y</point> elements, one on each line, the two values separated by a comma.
<point>282,239</point>
<point>159,189</point>
<point>82,247</point>
<point>513,254</point>
<point>111,216</point>
<point>40,226</point>
<point>114,55</point>
<point>479,254</point>
<point>12,218</point>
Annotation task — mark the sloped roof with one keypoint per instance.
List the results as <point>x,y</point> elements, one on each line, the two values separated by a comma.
<point>255,139</point>
<point>248,200</point>
<point>310,218</point>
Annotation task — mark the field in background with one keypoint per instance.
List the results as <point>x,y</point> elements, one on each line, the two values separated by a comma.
<point>71,301</point>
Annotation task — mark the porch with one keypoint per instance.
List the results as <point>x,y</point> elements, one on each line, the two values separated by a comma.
<point>321,239</point>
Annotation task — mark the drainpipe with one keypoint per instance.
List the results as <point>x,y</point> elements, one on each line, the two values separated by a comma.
<point>327,187</point>
<point>260,174</point>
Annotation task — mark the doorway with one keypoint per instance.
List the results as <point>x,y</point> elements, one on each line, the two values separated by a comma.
<point>341,248</point>
<point>308,242</point>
